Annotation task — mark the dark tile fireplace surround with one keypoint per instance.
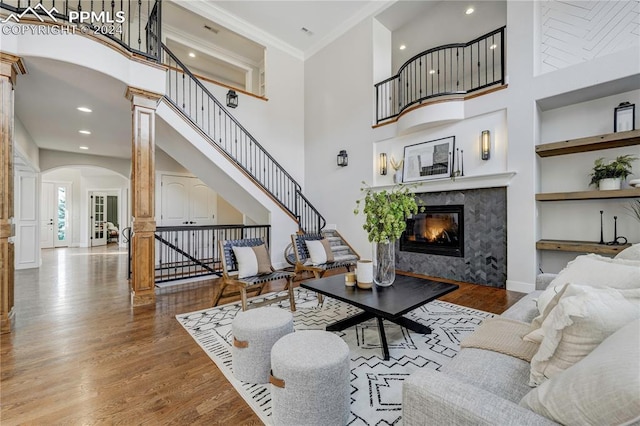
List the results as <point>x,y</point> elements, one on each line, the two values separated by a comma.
<point>482,257</point>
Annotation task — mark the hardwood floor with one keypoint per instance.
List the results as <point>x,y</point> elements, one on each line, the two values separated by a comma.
<point>80,354</point>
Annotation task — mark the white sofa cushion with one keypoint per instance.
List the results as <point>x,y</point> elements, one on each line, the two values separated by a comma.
<point>602,389</point>
<point>582,319</point>
<point>630,253</point>
<point>595,271</point>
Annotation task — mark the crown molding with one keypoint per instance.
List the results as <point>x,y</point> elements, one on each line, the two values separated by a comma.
<point>238,25</point>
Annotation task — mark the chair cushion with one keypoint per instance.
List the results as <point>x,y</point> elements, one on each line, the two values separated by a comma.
<point>600,389</point>
<point>252,260</point>
<point>319,251</point>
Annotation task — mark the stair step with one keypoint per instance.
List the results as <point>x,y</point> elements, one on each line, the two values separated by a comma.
<point>339,248</point>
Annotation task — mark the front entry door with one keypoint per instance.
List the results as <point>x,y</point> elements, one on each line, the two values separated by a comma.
<point>54,214</point>
<point>46,215</point>
<point>98,219</point>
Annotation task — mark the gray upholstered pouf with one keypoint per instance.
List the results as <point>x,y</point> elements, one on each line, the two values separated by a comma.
<point>254,333</point>
<point>314,366</point>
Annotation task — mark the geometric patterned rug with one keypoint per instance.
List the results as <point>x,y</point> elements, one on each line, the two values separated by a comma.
<point>376,385</point>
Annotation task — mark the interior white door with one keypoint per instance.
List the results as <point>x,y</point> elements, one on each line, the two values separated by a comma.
<point>98,219</point>
<point>187,201</point>
<point>47,215</point>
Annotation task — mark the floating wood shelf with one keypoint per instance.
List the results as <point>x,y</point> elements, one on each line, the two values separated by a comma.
<point>588,195</point>
<point>580,246</point>
<point>592,143</point>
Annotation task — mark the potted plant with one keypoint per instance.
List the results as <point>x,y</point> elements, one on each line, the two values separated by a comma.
<point>385,214</point>
<point>607,176</point>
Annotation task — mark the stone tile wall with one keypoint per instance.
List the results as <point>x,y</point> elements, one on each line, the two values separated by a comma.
<point>485,239</point>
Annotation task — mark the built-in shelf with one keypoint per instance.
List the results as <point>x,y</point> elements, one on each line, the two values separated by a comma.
<point>592,143</point>
<point>588,195</point>
<point>580,246</point>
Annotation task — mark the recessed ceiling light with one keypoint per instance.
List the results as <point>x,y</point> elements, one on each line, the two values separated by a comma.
<point>402,47</point>
<point>83,147</point>
<point>84,109</point>
<point>432,71</point>
<point>192,55</point>
<point>84,132</point>
<point>493,46</point>
<point>469,11</point>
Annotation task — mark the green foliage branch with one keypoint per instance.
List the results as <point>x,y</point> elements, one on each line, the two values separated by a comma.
<point>618,168</point>
<point>385,211</point>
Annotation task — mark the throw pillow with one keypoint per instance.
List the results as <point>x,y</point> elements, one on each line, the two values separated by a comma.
<point>630,253</point>
<point>582,319</point>
<point>595,271</point>
<point>601,389</point>
<point>320,251</point>
<point>252,260</point>
<point>535,334</point>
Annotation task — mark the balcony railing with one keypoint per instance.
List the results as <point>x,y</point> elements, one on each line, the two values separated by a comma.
<point>133,24</point>
<point>453,69</point>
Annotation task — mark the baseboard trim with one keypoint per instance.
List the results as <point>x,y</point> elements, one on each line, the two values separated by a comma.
<point>520,286</point>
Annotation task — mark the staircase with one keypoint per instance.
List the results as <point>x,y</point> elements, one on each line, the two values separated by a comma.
<point>196,104</point>
<point>342,251</point>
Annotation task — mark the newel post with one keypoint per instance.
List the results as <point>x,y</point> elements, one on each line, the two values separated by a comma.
<point>143,107</point>
<point>10,67</point>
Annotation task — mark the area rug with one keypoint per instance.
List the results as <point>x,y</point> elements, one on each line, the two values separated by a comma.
<point>376,385</point>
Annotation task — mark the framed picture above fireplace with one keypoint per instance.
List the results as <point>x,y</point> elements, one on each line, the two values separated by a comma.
<point>429,160</point>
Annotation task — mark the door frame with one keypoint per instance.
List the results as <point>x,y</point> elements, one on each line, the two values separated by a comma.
<point>123,211</point>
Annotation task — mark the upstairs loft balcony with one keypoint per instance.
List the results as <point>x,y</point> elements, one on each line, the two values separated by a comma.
<point>453,69</point>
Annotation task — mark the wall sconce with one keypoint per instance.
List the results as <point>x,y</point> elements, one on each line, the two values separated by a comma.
<point>232,99</point>
<point>343,158</point>
<point>485,145</point>
<point>383,164</point>
<point>624,117</point>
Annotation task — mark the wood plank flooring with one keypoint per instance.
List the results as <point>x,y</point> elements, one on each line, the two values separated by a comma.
<point>80,354</point>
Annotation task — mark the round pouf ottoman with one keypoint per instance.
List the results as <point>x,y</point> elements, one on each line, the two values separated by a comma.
<point>310,379</point>
<point>254,333</point>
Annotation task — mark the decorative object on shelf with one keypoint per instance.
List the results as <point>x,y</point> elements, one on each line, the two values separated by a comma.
<point>457,161</point>
<point>617,241</point>
<point>232,99</point>
<point>397,168</point>
<point>385,214</point>
<point>429,160</point>
<point>634,209</point>
<point>601,228</point>
<point>343,158</point>
<point>383,163</point>
<point>485,145</point>
<point>635,183</point>
<point>624,117</point>
<point>461,162</point>
<point>364,274</point>
<point>609,176</point>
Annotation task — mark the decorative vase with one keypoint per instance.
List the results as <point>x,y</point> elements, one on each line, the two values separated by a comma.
<point>384,263</point>
<point>609,184</point>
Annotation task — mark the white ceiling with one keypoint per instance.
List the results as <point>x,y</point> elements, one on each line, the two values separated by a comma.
<point>48,95</point>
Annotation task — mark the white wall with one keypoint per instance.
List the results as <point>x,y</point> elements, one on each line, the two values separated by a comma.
<point>23,143</point>
<point>338,114</point>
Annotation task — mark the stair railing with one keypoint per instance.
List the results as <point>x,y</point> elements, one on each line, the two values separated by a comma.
<point>453,69</point>
<point>190,96</point>
<point>133,24</point>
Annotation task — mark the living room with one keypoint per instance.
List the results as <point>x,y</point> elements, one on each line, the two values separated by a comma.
<point>330,109</point>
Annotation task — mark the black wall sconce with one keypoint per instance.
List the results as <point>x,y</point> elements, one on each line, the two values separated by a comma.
<point>383,164</point>
<point>624,117</point>
<point>232,99</point>
<point>343,158</point>
<point>485,145</point>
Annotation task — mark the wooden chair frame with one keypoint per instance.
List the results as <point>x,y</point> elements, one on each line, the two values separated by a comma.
<point>254,284</point>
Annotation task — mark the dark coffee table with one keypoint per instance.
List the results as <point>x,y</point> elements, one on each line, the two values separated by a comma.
<point>390,303</point>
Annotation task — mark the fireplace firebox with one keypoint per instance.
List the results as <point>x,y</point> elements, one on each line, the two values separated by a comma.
<point>435,230</point>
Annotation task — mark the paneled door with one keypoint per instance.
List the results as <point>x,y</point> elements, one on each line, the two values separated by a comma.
<point>98,219</point>
<point>47,209</point>
<point>187,201</point>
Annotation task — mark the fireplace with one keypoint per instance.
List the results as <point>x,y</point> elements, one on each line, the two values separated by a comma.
<point>435,230</point>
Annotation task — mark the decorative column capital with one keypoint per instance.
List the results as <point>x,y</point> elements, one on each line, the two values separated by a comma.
<point>11,66</point>
<point>143,98</point>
